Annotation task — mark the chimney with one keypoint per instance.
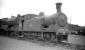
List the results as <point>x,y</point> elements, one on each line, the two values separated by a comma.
<point>58,6</point>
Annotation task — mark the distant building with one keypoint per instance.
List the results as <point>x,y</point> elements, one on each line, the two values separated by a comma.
<point>12,18</point>
<point>5,19</point>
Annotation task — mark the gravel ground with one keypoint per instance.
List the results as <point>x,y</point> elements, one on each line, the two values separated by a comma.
<point>14,44</point>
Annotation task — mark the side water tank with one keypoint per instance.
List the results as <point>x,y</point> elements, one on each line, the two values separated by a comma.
<point>32,25</point>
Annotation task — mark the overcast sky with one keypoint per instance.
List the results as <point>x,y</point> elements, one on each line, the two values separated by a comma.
<point>73,9</point>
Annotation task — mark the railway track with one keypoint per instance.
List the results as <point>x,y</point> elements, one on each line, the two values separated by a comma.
<point>52,43</point>
<point>49,43</point>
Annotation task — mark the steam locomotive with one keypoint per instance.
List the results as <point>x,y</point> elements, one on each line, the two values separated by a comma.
<point>51,28</point>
